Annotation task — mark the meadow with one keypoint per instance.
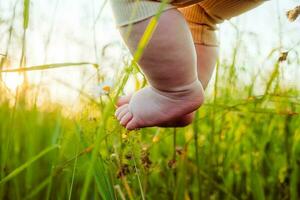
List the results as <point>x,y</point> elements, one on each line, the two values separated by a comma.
<point>243,144</point>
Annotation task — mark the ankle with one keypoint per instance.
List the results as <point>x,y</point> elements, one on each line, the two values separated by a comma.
<point>192,92</point>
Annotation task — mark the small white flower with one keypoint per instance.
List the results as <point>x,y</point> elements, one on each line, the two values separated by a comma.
<point>102,89</point>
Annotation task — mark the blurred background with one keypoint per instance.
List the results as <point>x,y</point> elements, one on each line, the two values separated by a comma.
<point>59,138</point>
<point>72,31</point>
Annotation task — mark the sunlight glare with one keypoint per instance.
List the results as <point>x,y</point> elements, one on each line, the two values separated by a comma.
<point>13,80</point>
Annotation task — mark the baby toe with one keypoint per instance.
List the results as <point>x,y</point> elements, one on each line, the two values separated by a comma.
<point>132,124</point>
<point>123,100</point>
<point>126,118</point>
<point>121,111</point>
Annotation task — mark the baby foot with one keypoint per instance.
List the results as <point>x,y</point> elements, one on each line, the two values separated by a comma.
<point>182,121</point>
<point>151,107</point>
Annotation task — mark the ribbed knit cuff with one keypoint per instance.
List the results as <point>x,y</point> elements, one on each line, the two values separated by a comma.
<point>203,34</point>
<point>132,11</point>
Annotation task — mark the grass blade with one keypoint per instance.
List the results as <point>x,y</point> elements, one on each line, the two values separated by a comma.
<point>27,164</point>
<point>26,14</point>
<point>48,66</point>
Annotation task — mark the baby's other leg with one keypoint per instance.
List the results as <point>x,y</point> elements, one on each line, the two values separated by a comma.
<point>206,61</point>
<point>169,63</point>
<point>203,19</point>
<point>205,39</point>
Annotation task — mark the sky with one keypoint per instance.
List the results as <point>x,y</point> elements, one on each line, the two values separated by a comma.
<point>65,30</point>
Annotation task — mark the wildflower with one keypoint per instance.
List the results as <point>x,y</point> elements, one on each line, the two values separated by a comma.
<point>124,136</point>
<point>114,156</point>
<point>128,156</point>
<point>202,139</point>
<point>283,56</point>
<point>179,150</point>
<point>172,163</point>
<point>222,136</point>
<point>293,14</point>
<point>88,149</point>
<point>102,89</point>
<point>251,98</point>
<point>106,88</point>
<point>144,148</point>
<point>145,158</point>
<point>123,171</point>
<point>156,138</point>
<point>189,135</point>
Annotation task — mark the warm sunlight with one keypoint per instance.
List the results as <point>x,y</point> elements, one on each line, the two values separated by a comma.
<point>13,80</point>
<point>149,99</point>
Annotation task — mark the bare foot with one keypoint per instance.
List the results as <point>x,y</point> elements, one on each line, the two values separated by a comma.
<point>179,122</point>
<point>152,107</point>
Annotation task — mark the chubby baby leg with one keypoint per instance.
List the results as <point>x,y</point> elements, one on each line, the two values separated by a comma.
<point>206,61</point>
<point>169,63</point>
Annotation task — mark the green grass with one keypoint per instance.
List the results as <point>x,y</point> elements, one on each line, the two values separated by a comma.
<point>241,145</point>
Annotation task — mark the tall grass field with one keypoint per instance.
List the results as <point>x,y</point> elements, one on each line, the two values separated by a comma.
<point>243,144</point>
